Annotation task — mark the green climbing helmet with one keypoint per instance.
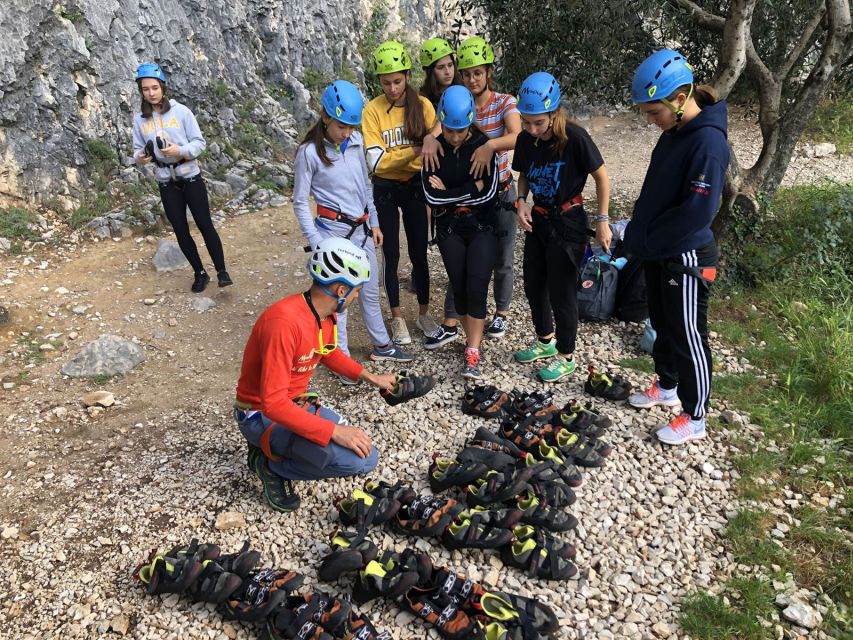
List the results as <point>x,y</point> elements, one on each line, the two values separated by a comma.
<point>475,52</point>
<point>390,57</point>
<point>433,50</point>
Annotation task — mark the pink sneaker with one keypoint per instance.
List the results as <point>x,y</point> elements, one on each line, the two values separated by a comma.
<point>654,396</point>
<point>682,428</point>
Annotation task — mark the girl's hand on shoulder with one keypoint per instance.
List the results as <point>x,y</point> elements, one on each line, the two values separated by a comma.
<point>376,232</point>
<point>525,219</point>
<point>603,235</point>
<point>430,153</point>
<point>481,161</point>
<point>436,183</point>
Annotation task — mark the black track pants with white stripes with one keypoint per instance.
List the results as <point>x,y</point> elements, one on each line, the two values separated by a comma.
<point>678,310</point>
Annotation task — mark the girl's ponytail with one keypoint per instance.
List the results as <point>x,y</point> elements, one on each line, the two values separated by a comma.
<point>415,128</point>
<point>705,95</point>
<point>317,136</point>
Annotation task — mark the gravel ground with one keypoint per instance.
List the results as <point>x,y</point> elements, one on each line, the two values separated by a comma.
<point>86,494</point>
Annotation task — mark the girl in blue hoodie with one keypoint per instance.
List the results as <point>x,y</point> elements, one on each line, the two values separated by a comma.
<point>330,166</point>
<point>670,230</point>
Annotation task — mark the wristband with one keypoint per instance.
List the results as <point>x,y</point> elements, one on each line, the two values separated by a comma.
<point>602,218</point>
<point>521,198</point>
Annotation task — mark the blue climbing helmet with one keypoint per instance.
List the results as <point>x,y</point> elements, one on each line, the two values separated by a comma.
<point>539,93</point>
<point>150,70</point>
<point>456,108</point>
<point>342,101</point>
<point>659,76</point>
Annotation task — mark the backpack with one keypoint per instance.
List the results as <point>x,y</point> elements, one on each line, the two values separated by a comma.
<point>597,290</point>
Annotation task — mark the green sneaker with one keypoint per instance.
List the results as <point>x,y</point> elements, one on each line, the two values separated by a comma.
<point>537,350</point>
<point>558,369</point>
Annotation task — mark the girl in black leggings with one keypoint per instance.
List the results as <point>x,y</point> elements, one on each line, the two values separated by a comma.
<point>166,133</point>
<point>465,217</point>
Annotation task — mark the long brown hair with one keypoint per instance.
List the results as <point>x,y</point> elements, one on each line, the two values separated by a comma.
<point>317,136</point>
<point>430,89</point>
<point>559,122</point>
<point>704,94</point>
<point>415,127</point>
<point>147,107</point>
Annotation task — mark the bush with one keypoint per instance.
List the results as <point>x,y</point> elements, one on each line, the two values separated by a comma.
<point>15,224</point>
<point>833,122</point>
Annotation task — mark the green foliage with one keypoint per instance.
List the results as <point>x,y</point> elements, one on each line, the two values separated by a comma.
<point>371,36</point>
<point>220,89</point>
<point>643,364</point>
<point>734,615</point>
<point>803,228</point>
<point>72,14</point>
<point>15,224</point>
<point>316,81</point>
<point>833,122</point>
<point>591,47</point>
<point>269,185</point>
<point>101,155</point>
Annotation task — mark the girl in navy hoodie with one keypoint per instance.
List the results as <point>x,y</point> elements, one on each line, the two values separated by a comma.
<point>465,216</point>
<point>671,231</point>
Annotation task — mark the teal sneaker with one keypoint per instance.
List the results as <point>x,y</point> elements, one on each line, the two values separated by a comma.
<point>558,369</point>
<point>537,350</point>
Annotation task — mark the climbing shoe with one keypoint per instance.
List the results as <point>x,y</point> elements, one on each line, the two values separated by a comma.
<point>200,282</point>
<point>539,514</point>
<point>398,491</point>
<point>408,387</point>
<point>214,584</point>
<point>384,577</point>
<point>351,551</point>
<point>524,532</point>
<point>445,473</point>
<point>484,401</point>
<point>577,418</point>
<point>537,561</point>
<point>441,611</point>
<point>604,385</point>
<point>261,594</point>
<point>426,516</point>
<point>523,403</point>
<point>469,534</point>
<point>363,509</point>
<point>278,491</point>
<point>537,351</point>
<point>162,574</point>
<point>240,563</point>
<point>296,624</point>
<point>499,518</point>
<point>497,487</point>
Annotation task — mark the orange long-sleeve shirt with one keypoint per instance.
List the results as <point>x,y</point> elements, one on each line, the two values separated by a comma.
<point>278,362</point>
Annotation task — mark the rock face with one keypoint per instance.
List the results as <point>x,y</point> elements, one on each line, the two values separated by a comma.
<point>108,355</point>
<point>66,72</point>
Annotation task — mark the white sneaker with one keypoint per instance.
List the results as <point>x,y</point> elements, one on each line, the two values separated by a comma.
<point>654,396</point>
<point>399,331</point>
<point>682,428</point>
<point>426,324</point>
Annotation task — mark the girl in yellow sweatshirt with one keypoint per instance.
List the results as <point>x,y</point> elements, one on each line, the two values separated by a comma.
<point>394,125</point>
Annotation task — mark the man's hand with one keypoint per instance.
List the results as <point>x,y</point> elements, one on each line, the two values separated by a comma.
<point>376,232</point>
<point>430,152</point>
<point>481,161</point>
<point>525,220</point>
<point>352,438</point>
<point>381,380</point>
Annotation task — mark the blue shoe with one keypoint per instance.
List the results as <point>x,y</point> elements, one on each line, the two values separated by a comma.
<point>681,429</point>
<point>392,352</point>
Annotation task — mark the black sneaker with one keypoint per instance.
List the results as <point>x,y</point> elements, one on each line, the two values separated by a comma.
<point>200,282</point>
<point>223,279</point>
<point>497,327</point>
<point>441,336</point>
<point>277,490</point>
<point>253,455</point>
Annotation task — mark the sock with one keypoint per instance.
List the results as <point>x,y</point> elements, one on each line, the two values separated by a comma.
<point>545,340</point>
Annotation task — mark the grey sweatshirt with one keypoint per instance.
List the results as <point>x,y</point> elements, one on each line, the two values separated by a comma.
<point>343,187</point>
<point>178,126</point>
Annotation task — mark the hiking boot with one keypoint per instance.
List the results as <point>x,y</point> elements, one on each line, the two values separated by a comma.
<point>537,350</point>
<point>681,429</point>
<point>426,324</point>
<point>441,336</point>
<point>277,490</point>
<point>223,279</point>
<point>200,282</point>
<point>471,365</point>
<point>497,327</point>
<point>557,369</point>
<point>253,455</point>
<point>655,396</point>
<point>399,331</point>
<point>390,352</point>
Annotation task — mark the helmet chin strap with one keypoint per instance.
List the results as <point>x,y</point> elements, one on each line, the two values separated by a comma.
<point>679,111</point>
<point>341,301</point>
